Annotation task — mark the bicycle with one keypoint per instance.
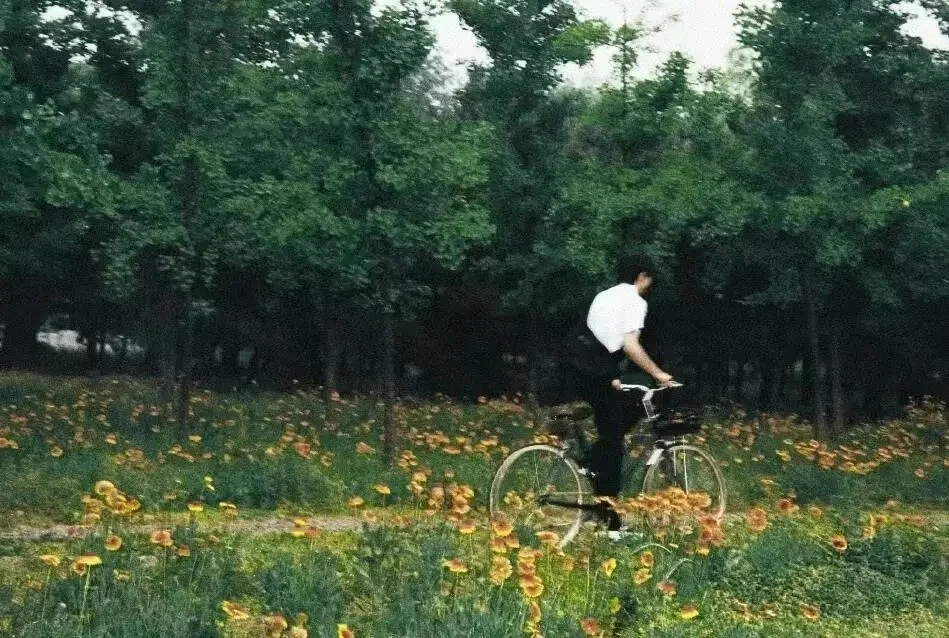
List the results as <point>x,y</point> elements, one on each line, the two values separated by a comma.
<point>546,488</point>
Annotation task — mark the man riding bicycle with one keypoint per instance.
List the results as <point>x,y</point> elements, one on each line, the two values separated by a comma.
<point>597,356</point>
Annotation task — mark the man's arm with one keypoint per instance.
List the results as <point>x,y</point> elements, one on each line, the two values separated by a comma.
<point>635,351</point>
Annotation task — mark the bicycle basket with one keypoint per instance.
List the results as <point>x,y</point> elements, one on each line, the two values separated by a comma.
<point>677,424</point>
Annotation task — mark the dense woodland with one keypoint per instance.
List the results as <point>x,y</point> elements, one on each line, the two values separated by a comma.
<point>292,176</point>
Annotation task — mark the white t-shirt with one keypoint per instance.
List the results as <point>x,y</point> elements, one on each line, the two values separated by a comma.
<point>616,312</point>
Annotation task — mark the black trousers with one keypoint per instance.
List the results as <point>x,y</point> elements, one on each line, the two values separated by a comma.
<point>591,370</point>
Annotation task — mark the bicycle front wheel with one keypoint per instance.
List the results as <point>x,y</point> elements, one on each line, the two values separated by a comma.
<point>538,489</point>
<point>695,472</point>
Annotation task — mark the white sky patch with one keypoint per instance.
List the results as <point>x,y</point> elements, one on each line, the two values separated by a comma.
<point>704,30</point>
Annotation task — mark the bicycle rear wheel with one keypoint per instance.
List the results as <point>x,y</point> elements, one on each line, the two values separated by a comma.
<point>538,489</point>
<point>695,472</point>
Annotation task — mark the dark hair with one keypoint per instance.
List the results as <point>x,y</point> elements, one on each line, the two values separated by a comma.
<point>630,265</point>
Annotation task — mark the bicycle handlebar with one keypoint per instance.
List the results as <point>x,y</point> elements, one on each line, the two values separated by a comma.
<point>648,394</point>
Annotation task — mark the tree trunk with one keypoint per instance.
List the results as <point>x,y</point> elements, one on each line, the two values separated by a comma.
<point>836,387</point>
<point>817,393</point>
<point>92,353</point>
<point>187,362</point>
<point>332,354</point>
<point>166,337</point>
<point>534,361</point>
<point>391,431</point>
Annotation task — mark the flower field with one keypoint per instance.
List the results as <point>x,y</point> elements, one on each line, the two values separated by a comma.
<point>274,515</point>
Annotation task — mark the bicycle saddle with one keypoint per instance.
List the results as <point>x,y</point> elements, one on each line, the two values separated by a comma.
<point>573,411</point>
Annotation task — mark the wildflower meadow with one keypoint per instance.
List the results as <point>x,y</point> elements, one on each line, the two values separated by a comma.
<point>275,515</point>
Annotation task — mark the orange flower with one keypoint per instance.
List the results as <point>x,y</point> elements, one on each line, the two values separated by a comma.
<point>811,612</point>
<point>533,611</point>
<point>646,559</point>
<point>183,551</point>
<point>590,627</point>
<point>162,537</point>
<point>667,588</point>
<point>839,543</point>
<point>815,511</point>
<point>786,506</point>
<point>456,566</point>
<point>113,543</point>
<point>343,631</point>
<point>919,473</point>
<point>364,448</point>
<point>501,528</point>
<point>235,611</point>
<point>688,612</point>
<point>757,519</point>
<point>50,560</point>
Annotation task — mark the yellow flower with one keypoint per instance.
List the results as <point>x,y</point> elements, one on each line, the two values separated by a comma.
<point>274,626</point>
<point>811,612</point>
<point>919,473</point>
<point>641,575</point>
<point>688,612</point>
<point>531,586</point>
<point>194,438</point>
<point>364,448</point>
<point>614,605</point>
<point>229,509</point>
<point>501,528</point>
<point>646,559</point>
<point>608,567</point>
<point>343,631</point>
<point>183,551</point>
<point>467,526</point>
<point>815,511</point>
<point>195,507</point>
<point>356,501</point>
<point>103,488</point>
<point>456,566</point>
<point>121,576</point>
<point>89,560</point>
<point>50,560</point>
<point>501,570</point>
<point>382,488</point>
<point>548,538</point>
<point>235,611</point>
<point>298,632</point>
<point>113,543</point>
<point>56,451</point>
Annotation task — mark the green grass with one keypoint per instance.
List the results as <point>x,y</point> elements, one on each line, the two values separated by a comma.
<point>294,455</point>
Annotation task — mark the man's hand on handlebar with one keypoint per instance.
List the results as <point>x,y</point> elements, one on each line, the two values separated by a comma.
<point>665,380</point>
